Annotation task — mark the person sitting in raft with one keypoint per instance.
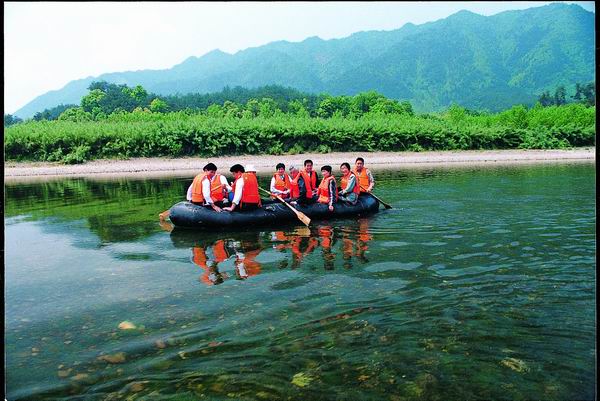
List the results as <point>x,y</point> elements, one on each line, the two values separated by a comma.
<point>327,191</point>
<point>197,180</point>
<point>294,190</point>
<point>209,189</point>
<point>307,184</point>
<point>280,183</point>
<point>349,189</point>
<point>365,178</point>
<point>245,189</point>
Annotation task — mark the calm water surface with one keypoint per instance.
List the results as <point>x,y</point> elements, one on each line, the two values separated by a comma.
<point>478,284</point>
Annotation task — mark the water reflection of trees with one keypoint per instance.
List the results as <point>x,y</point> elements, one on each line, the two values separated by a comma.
<point>227,255</point>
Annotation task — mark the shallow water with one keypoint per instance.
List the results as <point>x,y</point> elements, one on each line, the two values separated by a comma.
<point>478,284</point>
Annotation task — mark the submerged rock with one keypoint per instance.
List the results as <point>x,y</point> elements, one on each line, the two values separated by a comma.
<point>301,379</point>
<point>125,325</point>
<point>515,364</point>
<point>115,358</point>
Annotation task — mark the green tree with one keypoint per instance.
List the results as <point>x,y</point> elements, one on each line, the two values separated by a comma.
<point>139,94</point>
<point>546,99</point>
<point>158,105</point>
<point>363,102</point>
<point>77,114</point>
<point>92,100</point>
<point>267,107</point>
<point>9,120</point>
<point>560,95</point>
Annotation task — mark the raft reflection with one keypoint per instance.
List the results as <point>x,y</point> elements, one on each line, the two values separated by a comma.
<point>226,255</point>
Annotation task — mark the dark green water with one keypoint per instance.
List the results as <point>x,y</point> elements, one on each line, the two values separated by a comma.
<point>478,284</point>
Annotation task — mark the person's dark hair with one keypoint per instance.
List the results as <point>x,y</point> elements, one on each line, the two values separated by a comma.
<point>361,159</point>
<point>307,161</point>
<point>280,165</point>
<point>326,168</point>
<point>345,164</point>
<point>210,167</point>
<point>237,168</point>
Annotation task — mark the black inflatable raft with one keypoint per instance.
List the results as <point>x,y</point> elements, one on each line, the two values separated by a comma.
<point>186,214</point>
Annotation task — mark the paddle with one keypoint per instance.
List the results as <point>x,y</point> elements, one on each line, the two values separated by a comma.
<point>387,206</point>
<point>301,216</point>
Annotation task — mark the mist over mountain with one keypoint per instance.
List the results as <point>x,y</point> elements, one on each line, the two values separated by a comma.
<point>476,61</point>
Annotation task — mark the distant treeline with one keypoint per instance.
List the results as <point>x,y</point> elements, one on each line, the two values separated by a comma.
<point>105,99</point>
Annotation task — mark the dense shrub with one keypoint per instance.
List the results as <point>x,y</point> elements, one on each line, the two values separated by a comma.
<point>143,133</point>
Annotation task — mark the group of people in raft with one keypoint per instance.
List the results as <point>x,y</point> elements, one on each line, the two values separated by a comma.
<point>298,187</point>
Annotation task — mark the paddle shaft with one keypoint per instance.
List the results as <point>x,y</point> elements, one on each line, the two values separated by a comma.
<point>301,216</point>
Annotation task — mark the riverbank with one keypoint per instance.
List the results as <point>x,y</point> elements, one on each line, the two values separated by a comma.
<point>189,166</point>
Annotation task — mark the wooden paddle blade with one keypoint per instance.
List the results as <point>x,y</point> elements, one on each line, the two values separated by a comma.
<point>387,206</point>
<point>304,218</point>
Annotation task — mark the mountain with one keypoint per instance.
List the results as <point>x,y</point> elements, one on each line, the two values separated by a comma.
<point>476,61</point>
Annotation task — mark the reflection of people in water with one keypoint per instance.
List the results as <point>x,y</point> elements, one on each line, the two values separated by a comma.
<point>217,253</point>
<point>299,245</point>
<point>326,234</point>
<point>363,239</point>
<point>245,255</point>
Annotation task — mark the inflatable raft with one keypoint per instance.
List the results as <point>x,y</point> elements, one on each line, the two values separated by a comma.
<point>273,213</point>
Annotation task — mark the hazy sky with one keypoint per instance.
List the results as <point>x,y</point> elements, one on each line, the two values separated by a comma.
<point>48,44</point>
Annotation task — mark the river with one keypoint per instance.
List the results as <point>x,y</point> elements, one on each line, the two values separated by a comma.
<point>479,283</point>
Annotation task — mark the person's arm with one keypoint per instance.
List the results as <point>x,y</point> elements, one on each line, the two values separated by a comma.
<point>206,191</point>
<point>371,181</point>
<point>332,190</point>
<point>314,190</point>
<point>351,184</point>
<point>237,195</point>
<point>189,192</point>
<point>225,183</point>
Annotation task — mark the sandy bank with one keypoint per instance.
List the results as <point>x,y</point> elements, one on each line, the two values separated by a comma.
<point>156,167</point>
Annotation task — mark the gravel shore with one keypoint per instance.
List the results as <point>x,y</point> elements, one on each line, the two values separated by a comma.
<point>156,167</point>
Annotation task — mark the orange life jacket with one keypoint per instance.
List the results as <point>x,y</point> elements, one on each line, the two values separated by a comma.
<point>216,189</point>
<point>250,192</point>
<point>326,233</point>
<point>199,257</point>
<point>309,182</point>
<point>197,196</point>
<point>323,190</point>
<point>219,251</point>
<point>363,179</point>
<point>281,184</point>
<point>345,180</point>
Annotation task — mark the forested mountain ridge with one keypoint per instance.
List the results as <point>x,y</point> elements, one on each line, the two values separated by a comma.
<point>478,62</point>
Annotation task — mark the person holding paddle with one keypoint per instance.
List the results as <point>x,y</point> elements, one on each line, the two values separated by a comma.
<point>365,178</point>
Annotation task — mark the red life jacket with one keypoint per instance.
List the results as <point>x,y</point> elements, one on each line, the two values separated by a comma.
<point>250,192</point>
<point>309,182</point>
<point>294,189</point>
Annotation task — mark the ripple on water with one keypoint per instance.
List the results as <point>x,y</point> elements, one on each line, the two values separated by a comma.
<point>393,244</point>
<point>469,255</point>
<point>500,231</point>
<point>385,266</point>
